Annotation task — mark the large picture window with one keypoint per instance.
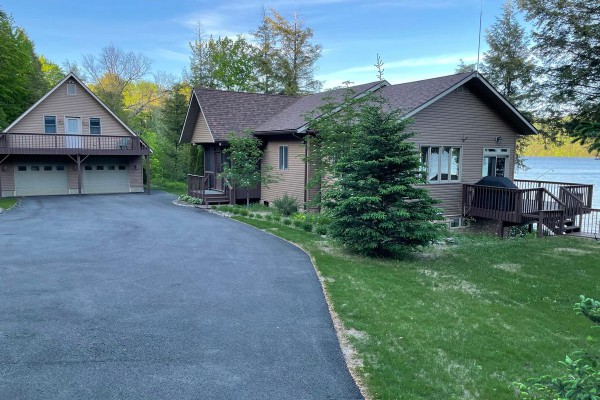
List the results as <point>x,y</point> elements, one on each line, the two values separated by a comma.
<point>49,124</point>
<point>442,163</point>
<point>283,157</point>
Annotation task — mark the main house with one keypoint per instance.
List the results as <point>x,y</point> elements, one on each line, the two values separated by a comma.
<point>465,129</point>
<point>69,142</point>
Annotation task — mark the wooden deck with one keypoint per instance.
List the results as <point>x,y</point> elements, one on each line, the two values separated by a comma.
<point>557,208</point>
<point>55,144</point>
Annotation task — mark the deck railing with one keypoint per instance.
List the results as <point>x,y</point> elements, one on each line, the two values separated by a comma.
<point>552,205</point>
<point>39,143</point>
<point>581,191</point>
<point>197,185</point>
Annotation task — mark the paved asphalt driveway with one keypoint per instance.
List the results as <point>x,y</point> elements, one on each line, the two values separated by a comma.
<point>130,297</point>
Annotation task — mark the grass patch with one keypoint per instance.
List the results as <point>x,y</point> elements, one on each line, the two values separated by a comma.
<point>460,321</point>
<point>177,188</point>
<point>7,203</point>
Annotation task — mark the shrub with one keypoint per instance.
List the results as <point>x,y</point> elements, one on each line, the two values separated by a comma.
<point>297,223</point>
<point>321,230</point>
<point>259,216</point>
<point>286,221</point>
<point>276,217</point>
<point>307,226</point>
<point>286,205</point>
<point>244,213</point>
<point>269,217</point>
<point>252,215</point>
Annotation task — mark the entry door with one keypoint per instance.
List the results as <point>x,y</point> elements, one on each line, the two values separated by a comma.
<point>73,127</point>
<point>495,162</point>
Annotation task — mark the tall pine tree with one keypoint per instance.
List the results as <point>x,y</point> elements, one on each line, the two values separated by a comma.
<point>376,205</point>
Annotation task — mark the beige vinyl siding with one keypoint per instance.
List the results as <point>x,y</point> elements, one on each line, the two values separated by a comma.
<point>462,120</point>
<point>60,104</point>
<point>201,132</point>
<point>291,181</point>
<point>7,179</point>
<point>136,181</point>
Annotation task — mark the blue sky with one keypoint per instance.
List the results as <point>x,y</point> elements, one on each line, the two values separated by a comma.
<point>416,38</point>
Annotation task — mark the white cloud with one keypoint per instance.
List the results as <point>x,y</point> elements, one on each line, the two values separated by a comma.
<point>172,55</point>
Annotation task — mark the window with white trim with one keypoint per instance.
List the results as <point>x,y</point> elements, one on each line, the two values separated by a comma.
<point>442,164</point>
<point>283,157</point>
<point>49,124</point>
<point>71,89</point>
<point>495,162</point>
<point>95,128</point>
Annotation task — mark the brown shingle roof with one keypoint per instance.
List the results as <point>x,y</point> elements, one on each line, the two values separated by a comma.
<point>227,112</point>
<point>294,116</point>
<point>410,95</point>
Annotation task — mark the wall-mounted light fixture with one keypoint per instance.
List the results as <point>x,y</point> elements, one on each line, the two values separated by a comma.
<point>498,139</point>
<point>464,138</point>
<point>4,168</point>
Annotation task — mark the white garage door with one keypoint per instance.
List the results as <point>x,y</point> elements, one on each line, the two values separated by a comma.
<point>34,179</point>
<point>105,178</point>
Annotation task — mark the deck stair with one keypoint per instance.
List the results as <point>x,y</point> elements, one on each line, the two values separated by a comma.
<point>556,208</point>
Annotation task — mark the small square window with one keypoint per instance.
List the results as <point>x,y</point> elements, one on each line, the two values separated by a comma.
<point>95,128</point>
<point>71,88</point>
<point>111,167</point>
<point>49,124</point>
<point>47,167</point>
<point>35,168</point>
<point>88,168</point>
<point>60,167</point>
<point>22,168</point>
<point>99,167</point>
<point>122,167</point>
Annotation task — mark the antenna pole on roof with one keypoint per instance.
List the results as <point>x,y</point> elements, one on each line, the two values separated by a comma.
<point>479,42</point>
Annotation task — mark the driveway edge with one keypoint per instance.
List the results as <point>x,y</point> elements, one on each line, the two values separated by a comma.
<point>351,357</point>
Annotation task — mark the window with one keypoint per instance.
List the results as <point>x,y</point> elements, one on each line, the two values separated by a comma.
<point>283,157</point>
<point>47,167</point>
<point>22,168</point>
<point>49,124</point>
<point>122,168</point>
<point>95,128</point>
<point>111,167</point>
<point>71,89</point>
<point>35,168</point>
<point>60,167</point>
<point>495,162</point>
<point>88,167</point>
<point>441,163</point>
<point>99,167</point>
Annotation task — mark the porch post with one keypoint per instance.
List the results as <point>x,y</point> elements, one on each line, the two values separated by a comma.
<point>148,174</point>
<point>79,174</point>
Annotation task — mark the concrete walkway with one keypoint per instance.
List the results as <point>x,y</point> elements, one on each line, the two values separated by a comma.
<point>130,297</point>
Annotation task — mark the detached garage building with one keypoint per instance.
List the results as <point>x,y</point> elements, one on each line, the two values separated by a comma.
<point>69,142</point>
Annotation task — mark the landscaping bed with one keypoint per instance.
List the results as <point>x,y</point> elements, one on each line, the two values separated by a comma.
<point>7,203</point>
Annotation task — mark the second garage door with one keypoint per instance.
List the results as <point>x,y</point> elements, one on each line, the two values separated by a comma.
<point>105,178</point>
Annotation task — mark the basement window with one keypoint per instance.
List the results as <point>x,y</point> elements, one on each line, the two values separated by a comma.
<point>35,167</point>
<point>47,167</point>
<point>22,168</point>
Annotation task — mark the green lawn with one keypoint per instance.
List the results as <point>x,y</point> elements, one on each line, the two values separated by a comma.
<point>461,321</point>
<point>177,188</point>
<point>7,203</point>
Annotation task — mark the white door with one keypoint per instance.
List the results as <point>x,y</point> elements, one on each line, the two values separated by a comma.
<point>41,179</point>
<point>105,178</point>
<point>72,127</point>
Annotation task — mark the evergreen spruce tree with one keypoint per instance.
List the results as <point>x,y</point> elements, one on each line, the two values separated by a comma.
<point>376,205</point>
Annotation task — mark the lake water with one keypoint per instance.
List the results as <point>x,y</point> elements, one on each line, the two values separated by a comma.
<point>564,169</point>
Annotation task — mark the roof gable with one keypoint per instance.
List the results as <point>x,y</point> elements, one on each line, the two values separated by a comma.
<point>71,78</point>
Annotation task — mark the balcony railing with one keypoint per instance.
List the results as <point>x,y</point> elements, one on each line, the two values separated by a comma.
<point>36,143</point>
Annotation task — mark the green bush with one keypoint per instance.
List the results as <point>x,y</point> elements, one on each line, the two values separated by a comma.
<point>287,221</point>
<point>189,199</point>
<point>286,205</point>
<point>252,215</point>
<point>307,226</point>
<point>297,223</point>
<point>259,216</point>
<point>244,212</point>
<point>269,217</point>
<point>276,217</point>
<point>321,230</point>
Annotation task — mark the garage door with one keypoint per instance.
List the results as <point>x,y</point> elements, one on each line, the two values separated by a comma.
<point>105,178</point>
<point>33,179</point>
